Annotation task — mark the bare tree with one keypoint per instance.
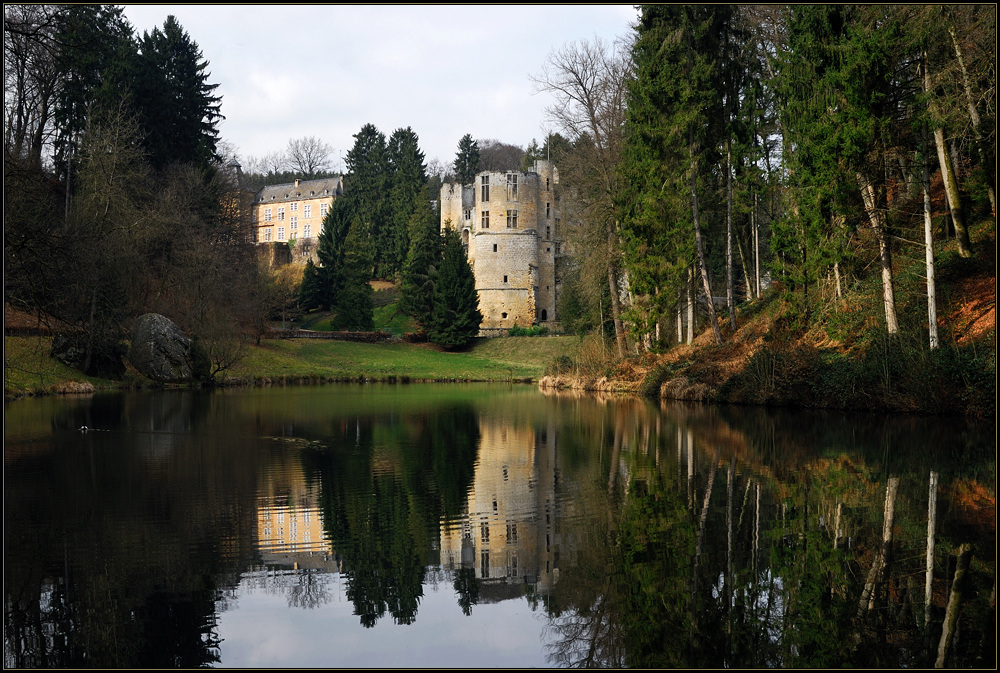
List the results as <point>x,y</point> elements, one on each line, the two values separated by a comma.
<point>587,80</point>
<point>308,156</point>
<point>495,155</point>
<point>30,79</point>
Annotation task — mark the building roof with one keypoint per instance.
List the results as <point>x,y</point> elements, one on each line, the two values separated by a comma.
<point>301,189</point>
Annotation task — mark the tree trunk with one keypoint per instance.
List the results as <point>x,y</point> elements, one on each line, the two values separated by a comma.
<point>883,556</point>
<point>730,299</point>
<point>756,244</point>
<point>690,305</point>
<point>954,602</point>
<point>680,317</point>
<point>616,310</point>
<point>929,574</point>
<point>747,276</point>
<point>929,253</point>
<point>877,218</point>
<point>947,172</point>
<point>974,118</point>
<point>701,248</point>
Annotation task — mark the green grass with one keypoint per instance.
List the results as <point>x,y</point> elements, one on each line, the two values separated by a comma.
<point>28,369</point>
<point>486,360</point>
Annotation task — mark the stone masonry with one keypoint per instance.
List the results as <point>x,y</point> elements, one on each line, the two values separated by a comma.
<point>511,226</point>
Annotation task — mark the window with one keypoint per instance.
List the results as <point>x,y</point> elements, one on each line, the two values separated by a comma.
<point>468,214</point>
<point>546,184</point>
<point>512,219</point>
<point>281,214</point>
<point>484,532</point>
<point>294,207</point>
<point>505,280</point>
<point>485,182</point>
<point>293,223</point>
<point>512,186</point>
<point>503,315</point>
<point>267,214</point>
<point>545,315</point>
<point>548,209</point>
<point>485,224</point>
<point>494,247</point>
<point>548,231</point>
<point>267,234</point>
<point>307,210</point>
<point>307,230</point>
<point>281,233</point>
<point>323,207</point>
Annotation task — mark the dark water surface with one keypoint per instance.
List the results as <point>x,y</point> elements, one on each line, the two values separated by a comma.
<point>487,526</point>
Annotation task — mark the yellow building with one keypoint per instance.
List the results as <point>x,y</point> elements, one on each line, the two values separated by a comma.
<point>294,211</point>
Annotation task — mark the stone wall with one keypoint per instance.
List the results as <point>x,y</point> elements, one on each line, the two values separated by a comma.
<point>512,233</point>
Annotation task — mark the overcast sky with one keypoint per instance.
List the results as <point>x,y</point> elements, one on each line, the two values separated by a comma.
<point>292,71</point>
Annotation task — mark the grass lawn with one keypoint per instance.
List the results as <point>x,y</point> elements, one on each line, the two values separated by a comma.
<point>486,360</point>
<point>28,369</point>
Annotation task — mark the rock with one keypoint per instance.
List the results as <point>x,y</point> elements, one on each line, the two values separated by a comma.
<point>160,351</point>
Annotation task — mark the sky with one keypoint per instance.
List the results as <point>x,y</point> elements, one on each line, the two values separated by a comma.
<point>293,71</point>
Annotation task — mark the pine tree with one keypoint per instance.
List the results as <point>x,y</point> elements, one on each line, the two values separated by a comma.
<point>467,160</point>
<point>96,60</point>
<point>422,262</point>
<point>177,105</point>
<point>456,316</point>
<point>407,177</point>
<point>353,301</point>
<point>673,132</point>
<point>310,293</point>
<point>366,187</point>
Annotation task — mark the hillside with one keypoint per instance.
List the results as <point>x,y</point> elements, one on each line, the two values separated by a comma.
<point>842,357</point>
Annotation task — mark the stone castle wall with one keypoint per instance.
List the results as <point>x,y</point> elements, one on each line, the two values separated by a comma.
<point>510,225</point>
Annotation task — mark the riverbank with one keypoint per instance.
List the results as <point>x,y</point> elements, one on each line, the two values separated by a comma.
<point>29,369</point>
<point>839,357</point>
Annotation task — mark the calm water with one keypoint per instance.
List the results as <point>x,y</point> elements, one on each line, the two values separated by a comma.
<point>486,526</point>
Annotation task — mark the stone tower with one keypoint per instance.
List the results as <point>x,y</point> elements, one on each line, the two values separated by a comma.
<point>510,225</point>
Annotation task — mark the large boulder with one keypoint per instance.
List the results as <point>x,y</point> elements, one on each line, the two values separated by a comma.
<point>160,351</point>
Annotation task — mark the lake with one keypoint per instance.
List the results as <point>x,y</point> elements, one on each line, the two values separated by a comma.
<point>482,526</point>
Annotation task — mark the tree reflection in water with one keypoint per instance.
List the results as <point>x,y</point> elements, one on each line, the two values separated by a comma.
<point>674,571</point>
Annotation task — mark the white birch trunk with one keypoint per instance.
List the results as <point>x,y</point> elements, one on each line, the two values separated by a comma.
<point>929,569</point>
<point>929,255</point>
<point>877,219</point>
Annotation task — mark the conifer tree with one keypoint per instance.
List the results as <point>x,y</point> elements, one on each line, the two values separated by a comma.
<point>366,187</point>
<point>177,105</point>
<point>422,262</point>
<point>456,315</point>
<point>408,176</point>
<point>353,301</point>
<point>467,160</point>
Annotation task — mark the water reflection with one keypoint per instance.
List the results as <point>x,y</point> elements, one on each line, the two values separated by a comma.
<point>641,535</point>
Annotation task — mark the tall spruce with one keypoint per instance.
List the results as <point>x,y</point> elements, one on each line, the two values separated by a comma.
<point>809,239</point>
<point>366,187</point>
<point>177,105</point>
<point>456,317</point>
<point>408,175</point>
<point>96,60</point>
<point>673,129</point>
<point>467,160</point>
<point>422,262</point>
<point>845,101</point>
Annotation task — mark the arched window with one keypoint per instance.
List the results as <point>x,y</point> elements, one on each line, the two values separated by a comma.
<point>545,315</point>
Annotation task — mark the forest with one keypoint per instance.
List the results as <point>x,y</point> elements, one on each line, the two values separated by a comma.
<point>714,156</point>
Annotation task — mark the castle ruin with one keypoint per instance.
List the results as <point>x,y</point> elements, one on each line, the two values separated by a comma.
<point>511,226</point>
